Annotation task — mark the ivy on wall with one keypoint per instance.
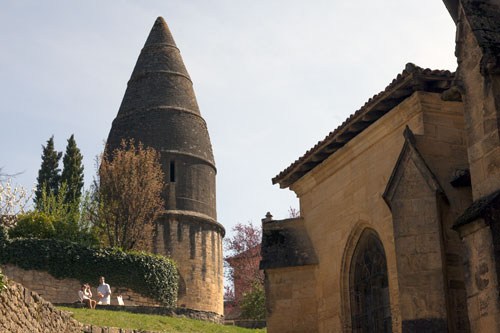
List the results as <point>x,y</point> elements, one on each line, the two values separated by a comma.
<point>152,276</point>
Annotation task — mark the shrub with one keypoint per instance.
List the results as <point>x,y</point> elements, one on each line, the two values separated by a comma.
<point>150,275</point>
<point>37,225</point>
<point>253,304</point>
<point>42,225</point>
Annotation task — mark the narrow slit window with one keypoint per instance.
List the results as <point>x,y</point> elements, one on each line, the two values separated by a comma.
<point>172,171</point>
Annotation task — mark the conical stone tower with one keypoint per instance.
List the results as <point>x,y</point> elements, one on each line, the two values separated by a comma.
<point>160,110</point>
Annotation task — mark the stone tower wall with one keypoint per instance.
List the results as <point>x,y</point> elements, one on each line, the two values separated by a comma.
<point>196,245</point>
<point>160,110</point>
<point>194,186</point>
<point>194,173</point>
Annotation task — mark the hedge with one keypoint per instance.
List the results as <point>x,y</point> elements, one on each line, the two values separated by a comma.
<point>152,276</point>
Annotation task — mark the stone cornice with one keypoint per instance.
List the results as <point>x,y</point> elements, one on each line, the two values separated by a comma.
<point>200,217</point>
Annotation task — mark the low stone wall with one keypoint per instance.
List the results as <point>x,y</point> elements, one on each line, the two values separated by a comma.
<point>246,323</point>
<point>22,310</point>
<point>66,290</point>
<point>158,310</point>
<point>101,329</point>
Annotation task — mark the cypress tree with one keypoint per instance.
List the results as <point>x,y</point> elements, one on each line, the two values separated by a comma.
<point>72,173</point>
<point>48,175</point>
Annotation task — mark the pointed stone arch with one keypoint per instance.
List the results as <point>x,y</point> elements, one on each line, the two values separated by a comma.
<point>362,237</point>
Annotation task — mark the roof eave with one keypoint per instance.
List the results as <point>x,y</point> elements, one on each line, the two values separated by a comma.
<point>411,80</point>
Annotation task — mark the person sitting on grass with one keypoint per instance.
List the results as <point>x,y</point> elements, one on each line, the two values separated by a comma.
<point>85,296</point>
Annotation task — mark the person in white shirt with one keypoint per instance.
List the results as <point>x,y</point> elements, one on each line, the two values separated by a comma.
<point>104,292</point>
<point>85,296</point>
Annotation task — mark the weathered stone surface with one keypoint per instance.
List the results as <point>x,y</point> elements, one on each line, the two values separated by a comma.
<point>291,304</point>
<point>24,311</point>
<point>286,244</point>
<point>413,192</point>
<point>478,80</point>
<point>66,290</point>
<point>428,325</point>
<point>477,50</point>
<point>342,197</point>
<point>160,110</point>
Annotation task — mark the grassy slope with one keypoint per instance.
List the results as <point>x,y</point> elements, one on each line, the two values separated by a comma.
<point>150,322</point>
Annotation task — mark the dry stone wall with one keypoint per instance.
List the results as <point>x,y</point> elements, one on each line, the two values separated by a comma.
<point>66,290</point>
<point>22,310</point>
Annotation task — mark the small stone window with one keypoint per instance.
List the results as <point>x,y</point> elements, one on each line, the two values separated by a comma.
<point>369,289</point>
<point>172,171</point>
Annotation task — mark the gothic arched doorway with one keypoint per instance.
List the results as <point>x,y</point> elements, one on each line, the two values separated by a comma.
<point>368,286</point>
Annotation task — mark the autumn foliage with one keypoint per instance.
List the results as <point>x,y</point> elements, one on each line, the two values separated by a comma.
<point>129,195</point>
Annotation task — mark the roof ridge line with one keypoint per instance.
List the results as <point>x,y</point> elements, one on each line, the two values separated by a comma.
<point>409,73</point>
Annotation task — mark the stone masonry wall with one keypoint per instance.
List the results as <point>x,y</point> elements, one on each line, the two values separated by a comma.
<point>291,302</point>
<point>444,149</point>
<point>481,278</point>
<point>22,310</point>
<point>480,87</point>
<point>196,247</point>
<point>66,290</point>
<point>481,102</point>
<point>417,238</point>
<point>345,191</point>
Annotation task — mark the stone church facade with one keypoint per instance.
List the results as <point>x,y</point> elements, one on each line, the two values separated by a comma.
<point>400,205</point>
<point>159,109</point>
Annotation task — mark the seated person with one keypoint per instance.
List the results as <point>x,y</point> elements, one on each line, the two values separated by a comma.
<point>104,292</point>
<point>85,296</point>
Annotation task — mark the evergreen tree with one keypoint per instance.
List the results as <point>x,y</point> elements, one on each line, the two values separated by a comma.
<point>48,175</point>
<point>72,173</point>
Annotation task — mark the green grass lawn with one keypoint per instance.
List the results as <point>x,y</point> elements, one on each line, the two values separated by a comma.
<point>150,322</point>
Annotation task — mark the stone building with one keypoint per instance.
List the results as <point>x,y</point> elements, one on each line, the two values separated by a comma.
<point>160,110</point>
<point>244,268</point>
<point>400,205</point>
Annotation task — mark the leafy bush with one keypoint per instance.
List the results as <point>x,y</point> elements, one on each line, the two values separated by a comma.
<point>54,218</point>
<point>42,225</point>
<point>253,304</point>
<point>150,275</point>
<point>3,286</point>
<point>37,225</point>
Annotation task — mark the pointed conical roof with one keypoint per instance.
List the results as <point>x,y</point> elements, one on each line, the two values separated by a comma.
<point>159,78</point>
<point>160,33</point>
<point>159,107</point>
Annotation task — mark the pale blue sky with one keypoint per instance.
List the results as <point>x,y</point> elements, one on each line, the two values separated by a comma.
<point>271,77</point>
